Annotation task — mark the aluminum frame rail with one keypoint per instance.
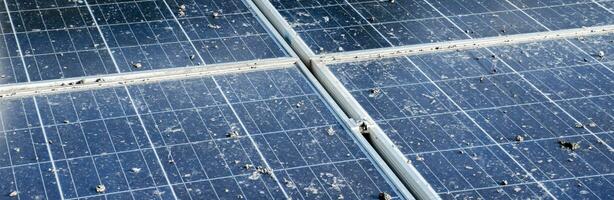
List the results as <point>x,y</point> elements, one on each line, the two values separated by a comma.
<point>361,120</point>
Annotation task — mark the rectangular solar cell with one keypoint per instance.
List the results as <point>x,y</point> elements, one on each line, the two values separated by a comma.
<point>338,26</point>
<point>519,121</point>
<point>262,135</point>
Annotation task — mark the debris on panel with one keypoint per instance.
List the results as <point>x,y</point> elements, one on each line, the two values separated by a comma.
<point>101,188</point>
<point>248,166</point>
<point>391,1</point>
<point>289,183</point>
<point>182,9</point>
<point>234,134</point>
<point>137,65</point>
<point>300,104</point>
<point>340,197</point>
<point>254,176</point>
<point>592,125</point>
<point>13,194</point>
<point>311,189</point>
<point>517,189</point>
<point>601,54</point>
<point>192,57</point>
<point>579,125</point>
<point>419,158</point>
<point>384,196</point>
<point>569,145</point>
<point>66,121</point>
<point>331,131</point>
<point>375,92</point>
<point>214,26</point>
<point>326,18</point>
<point>504,182</point>
<point>216,14</point>
<point>519,138</point>
<point>135,170</point>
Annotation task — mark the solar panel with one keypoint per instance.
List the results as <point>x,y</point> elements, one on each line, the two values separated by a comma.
<point>264,134</point>
<point>338,26</point>
<point>519,121</point>
<point>85,38</point>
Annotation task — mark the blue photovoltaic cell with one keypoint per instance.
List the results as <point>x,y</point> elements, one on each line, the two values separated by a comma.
<point>458,116</point>
<point>137,139</point>
<point>76,38</point>
<point>56,40</point>
<point>335,26</point>
<point>226,31</point>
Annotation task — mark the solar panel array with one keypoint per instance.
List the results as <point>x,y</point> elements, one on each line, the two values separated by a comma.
<point>338,26</point>
<point>521,121</point>
<point>530,120</point>
<point>216,137</point>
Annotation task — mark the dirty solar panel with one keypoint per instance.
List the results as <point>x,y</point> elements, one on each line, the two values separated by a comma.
<point>219,130</point>
<point>143,35</point>
<point>476,123</point>
<point>211,137</point>
<point>56,40</point>
<point>225,31</point>
<point>336,26</point>
<point>12,70</point>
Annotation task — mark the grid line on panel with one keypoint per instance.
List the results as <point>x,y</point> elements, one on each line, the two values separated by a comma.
<point>460,108</point>
<point>524,78</point>
<point>250,137</point>
<point>551,101</point>
<point>190,143</point>
<point>159,162</point>
<point>602,6</point>
<point>53,166</point>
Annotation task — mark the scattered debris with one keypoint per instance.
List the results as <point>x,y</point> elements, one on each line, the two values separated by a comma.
<point>66,121</point>
<point>311,189</point>
<point>340,197</point>
<point>579,125</point>
<point>601,54</point>
<point>504,182</point>
<point>569,145</point>
<point>482,78</point>
<point>192,57</point>
<point>419,158</point>
<point>372,19</point>
<point>330,131</point>
<point>289,184</point>
<point>79,82</point>
<point>214,26</point>
<point>592,124</point>
<point>517,189</point>
<point>135,170</point>
<point>384,196</point>
<point>98,80</point>
<point>299,104</point>
<point>13,194</point>
<point>216,14</point>
<point>182,9</point>
<point>391,1</point>
<point>519,138</point>
<point>234,134</point>
<point>137,65</point>
<point>171,161</point>
<point>255,176</point>
<point>374,92</point>
<point>101,188</point>
<point>248,166</point>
